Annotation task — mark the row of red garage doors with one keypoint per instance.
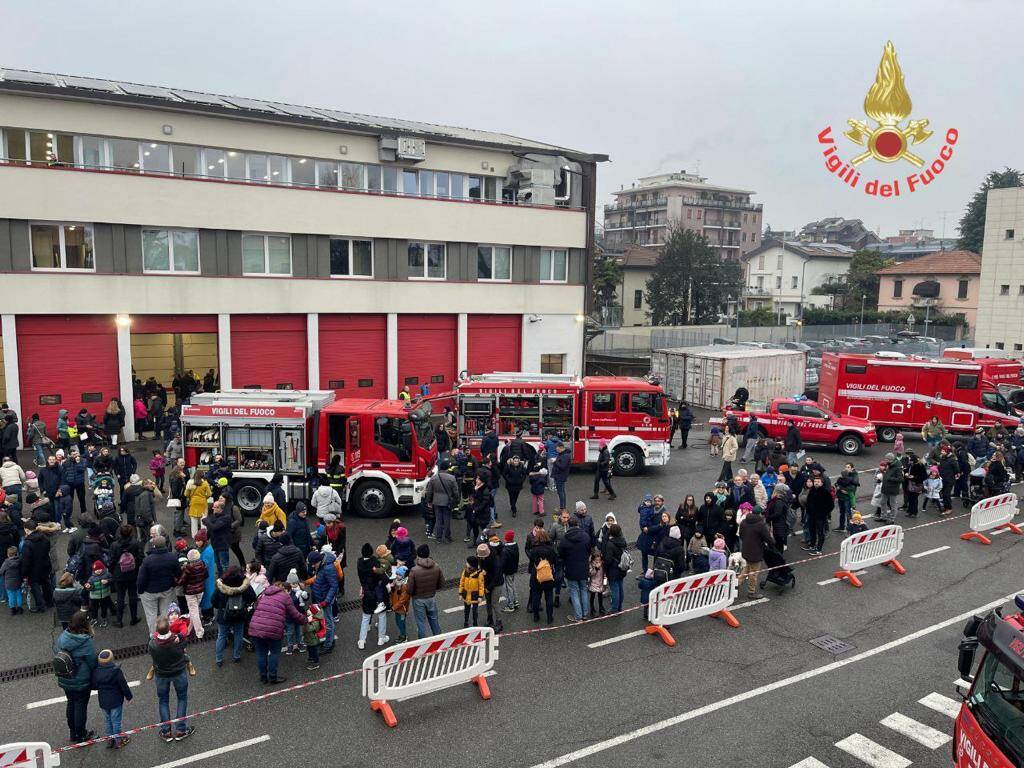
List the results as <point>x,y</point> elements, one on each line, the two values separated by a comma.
<point>70,361</point>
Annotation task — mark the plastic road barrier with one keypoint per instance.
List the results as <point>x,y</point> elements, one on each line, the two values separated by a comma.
<point>878,546</point>
<point>992,514</point>
<point>706,594</point>
<point>28,754</point>
<point>431,664</point>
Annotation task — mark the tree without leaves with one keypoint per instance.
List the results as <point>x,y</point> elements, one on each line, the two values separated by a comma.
<point>972,223</point>
<point>690,284</point>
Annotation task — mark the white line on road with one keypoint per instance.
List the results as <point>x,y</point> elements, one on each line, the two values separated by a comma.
<point>809,762</point>
<point>749,603</point>
<point>999,532</point>
<point>941,704</point>
<point>833,581</point>
<point>753,693</point>
<point>458,608</point>
<point>961,683</point>
<point>62,699</point>
<point>930,552</point>
<point>919,732</point>
<point>214,752</point>
<point>872,753</point>
<point>617,638</point>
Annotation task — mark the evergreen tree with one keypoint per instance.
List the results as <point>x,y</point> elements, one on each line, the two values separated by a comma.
<point>690,284</point>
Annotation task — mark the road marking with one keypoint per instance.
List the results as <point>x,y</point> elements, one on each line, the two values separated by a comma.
<point>610,640</point>
<point>707,709</point>
<point>458,608</point>
<point>833,581</point>
<point>749,603</point>
<point>930,552</point>
<point>999,532</point>
<point>214,752</point>
<point>919,732</point>
<point>872,753</point>
<point>961,683</point>
<point>62,699</point>
<point>941,704</point>
<point>809,762</point>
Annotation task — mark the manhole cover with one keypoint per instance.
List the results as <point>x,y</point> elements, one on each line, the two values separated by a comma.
<point>833,645</point>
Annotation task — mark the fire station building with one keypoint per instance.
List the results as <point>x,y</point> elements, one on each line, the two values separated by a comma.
<point>146,230</point>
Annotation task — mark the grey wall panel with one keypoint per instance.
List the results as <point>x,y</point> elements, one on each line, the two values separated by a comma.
<point>323,257</point>
<point>118,249</point>
<point>21,249</point>
<point>223,263</point>
<point>398,259</point>
<point>208,252</point>
<point>577,266</point>
<point>520,265</point>
<point>6,263</point>
<point>234,253</point>
<point>132,249</point>
<point>532,264</point>
<point>300,247</point>
<point>103,245</point>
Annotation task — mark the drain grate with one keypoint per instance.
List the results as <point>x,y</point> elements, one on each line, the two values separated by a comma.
<point>832,644</point>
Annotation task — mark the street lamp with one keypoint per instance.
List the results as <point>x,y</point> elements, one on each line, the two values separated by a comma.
<point>863,298</point>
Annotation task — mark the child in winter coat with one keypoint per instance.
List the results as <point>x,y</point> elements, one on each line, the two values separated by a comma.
<point>178,627</point>
<point>717,559</point>
<point>897,445</point>
<point>292,632</point>
<point>846,493</point>
<point>769,479</point>
<point>715,441</point>
<point>257,576</point>
<point>158,467</point>
<point>510,567</point>
<point>68,598</point>
<point>112,691</point>
<point>10,573</point>
<point>385,562</point>
<point>193,581</point>
<point>698,550</point>
<point>64,504</point>
<point>856,524</point>
<point>595,585</point>
<point>933,488</point>
<point>400,600</point>
<point>313,633</point>
<point>538,483</point>
<point>471,589</point>
<point>98,585</point>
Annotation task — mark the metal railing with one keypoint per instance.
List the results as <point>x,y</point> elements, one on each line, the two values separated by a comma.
<point>712,203</point>
<point>631,204</point>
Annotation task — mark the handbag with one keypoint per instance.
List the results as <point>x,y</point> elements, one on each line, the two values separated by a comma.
<point>174,503</point>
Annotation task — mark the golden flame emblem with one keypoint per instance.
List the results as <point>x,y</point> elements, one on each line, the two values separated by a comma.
<point>888,105</point>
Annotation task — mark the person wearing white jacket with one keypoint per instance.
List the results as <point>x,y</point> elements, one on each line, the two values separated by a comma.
<point>12,477</point>
<point>326,501</point>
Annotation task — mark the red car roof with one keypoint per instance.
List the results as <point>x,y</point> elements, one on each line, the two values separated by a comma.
<point>368,405</point>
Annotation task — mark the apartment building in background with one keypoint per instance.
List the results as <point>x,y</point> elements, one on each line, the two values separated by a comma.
<point>642,214</point>
<point>945,282</point>
<point>836,229</point>
<point>781,275</point>
<point>145,230</point>
<point>1001,293</point>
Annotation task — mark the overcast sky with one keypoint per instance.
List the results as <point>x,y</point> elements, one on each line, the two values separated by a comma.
<point>738,89</point>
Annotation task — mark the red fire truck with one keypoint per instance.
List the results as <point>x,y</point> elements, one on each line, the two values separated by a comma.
<point>999,370</point>
<point>898,394</point>
<point>631,414</point>
<point>387,446</point>
<point>989,730</point>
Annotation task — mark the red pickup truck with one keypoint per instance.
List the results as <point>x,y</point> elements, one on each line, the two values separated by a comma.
<point>816,425</point>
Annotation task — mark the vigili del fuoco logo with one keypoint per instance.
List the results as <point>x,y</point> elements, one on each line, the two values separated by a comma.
<point>887,137</point>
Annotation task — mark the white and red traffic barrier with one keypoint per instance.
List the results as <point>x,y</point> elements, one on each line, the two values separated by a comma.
<point>706,594</point>
<point>878,546</point>
<point>28,754</point>
<point>432,664</point>
<point>990,515</point>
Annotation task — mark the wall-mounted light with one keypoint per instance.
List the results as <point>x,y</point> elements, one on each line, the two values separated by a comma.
<point>343,149</point>
<point>535,318</point>
<point>168,129</point>
<point>580,318</point>
<point>483,165</point>
<point>123,321</point>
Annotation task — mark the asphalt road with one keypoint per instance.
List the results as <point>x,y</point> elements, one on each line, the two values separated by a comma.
<point>720,697</point>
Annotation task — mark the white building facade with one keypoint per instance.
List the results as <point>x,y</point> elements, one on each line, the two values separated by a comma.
<point>1001,293</point>
<point>780,275</point>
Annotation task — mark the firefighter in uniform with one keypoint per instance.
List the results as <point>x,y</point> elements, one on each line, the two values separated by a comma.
<point>335,474</point>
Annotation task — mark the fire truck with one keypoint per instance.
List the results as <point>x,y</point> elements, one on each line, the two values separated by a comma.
<point>898,394</point>
<point>386,446</point>
<point>631,414</point>
<point>999,370</point>
<point>989,729</point>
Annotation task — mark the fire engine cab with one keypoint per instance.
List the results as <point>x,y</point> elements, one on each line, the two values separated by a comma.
<point>386,446</point>
<point>989,729</point>
<point>631,414</point>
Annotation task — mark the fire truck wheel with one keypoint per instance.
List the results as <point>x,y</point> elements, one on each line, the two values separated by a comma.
<point>373,499</point>
<point>849,445</point>
<point>628,461</point>
<point>249,496</point>
<point>886,434</point>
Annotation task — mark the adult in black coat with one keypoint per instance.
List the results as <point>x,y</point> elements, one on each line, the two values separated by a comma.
<point>819,510</point>
<point>494,577</point>
<point>738,493</point>
<point>777,517</point>
<point>574,551</point>
<point>36,567</point>
<point>515,473</point>
<point>287,557</point>
<point>710,519</point>
<point>489,443</point>
<point>49,478</point>
<point>124,586</point>
<point>949,471</point>
<point>541,549</point>
<point>672,549</point>
<point>483,500</point>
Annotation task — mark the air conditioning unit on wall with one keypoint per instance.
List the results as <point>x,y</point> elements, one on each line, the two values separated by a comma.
<point>394,148</point>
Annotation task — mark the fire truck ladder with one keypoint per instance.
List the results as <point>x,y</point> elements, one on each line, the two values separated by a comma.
<point>552,378</point>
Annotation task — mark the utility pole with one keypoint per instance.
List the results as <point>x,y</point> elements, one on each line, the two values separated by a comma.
<point>943,214</point>
<point>863,298</point>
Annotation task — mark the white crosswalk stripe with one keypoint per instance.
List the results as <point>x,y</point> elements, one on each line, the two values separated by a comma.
<point>941,704</point>
<point>930,552</point>
<point>809,762</point>
<point>919,732</point>
<point>871,752</point>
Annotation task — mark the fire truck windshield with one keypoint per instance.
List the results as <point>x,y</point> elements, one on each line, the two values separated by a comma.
<point>424,429</point>
<point>997,703</point>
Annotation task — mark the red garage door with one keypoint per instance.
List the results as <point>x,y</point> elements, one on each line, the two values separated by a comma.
<point>66,361</point>
<point>494,343</point>
<point>427,351</point>
<point>354,355</point>
<point>269,352</point>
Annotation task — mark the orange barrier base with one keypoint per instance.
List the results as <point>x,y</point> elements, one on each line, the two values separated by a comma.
<point>975,536</point>
<point>848,575</point>
<point>663,633</point>
<point>481,684</point>
<point>727,617</point>
<point>386,712</point>
<point>895,565</point>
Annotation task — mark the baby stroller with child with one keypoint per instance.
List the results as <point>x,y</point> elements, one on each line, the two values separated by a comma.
<point>981,485</point>
<point>781,574</point>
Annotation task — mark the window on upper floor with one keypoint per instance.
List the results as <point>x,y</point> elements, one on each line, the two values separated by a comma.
<point>266,255</point>
<point>1004,290</point>
<point>897,289</point>
<point>186,161</point>
<point>778,261</point>
<point>1009,234</point>
<point>961,289</point>
<point>155,157</point>
<point>60,246</point>
<point>474,190</point>
<point>552,363</point>
<point>442,186</point>
<point>170,250</point>
<point>638,299</point>
<point>760,261</point>
<point>410,185</point>
<point>554,265</point>
<point>124,155</point>
<point>494,262</point>
<point>778,282</point>
<point>351,257</point>
<point>303,172</point>
<point>427,261</point>
<point>794,281</point>
<point>266,169</point>
<point>327,174</point>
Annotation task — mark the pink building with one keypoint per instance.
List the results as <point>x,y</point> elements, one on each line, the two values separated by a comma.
<point>947,281</point>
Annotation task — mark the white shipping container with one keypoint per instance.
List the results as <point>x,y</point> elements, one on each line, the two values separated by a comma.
<point>708,376</point>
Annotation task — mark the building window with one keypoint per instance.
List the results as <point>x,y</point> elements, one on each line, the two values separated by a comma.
<point>124,155</point>
<point>303,172</point>
<point>156,158</point>
<point>778,282</point>
<point>1004,290</point>
<point>174,250</point>
<point>353,176</point>
<point>92,152</point>
<point>185,161</point>
<point>638,299</point>
<point>62,246</point>
<point>1009,234</point>
<point>473,188</point>
<point>1020,290</point>
<point>494,262</point>
<point>427,261</point>
<point>753,237</point>
<point>327,174</point>
<point>410,185</point>
<point>1018,347</point>
<point>552,363</point>
<point>897,289</point>
<point>267,169</point>
<point>795,281</point>
<point>441,187</point>
<point>760,262</point>
<point>744,237</point>
<point>760,282</point>
<point>351,258</point>
<point>554,265</point>
<point>689,213</point>
<point>778,262</point>
<point>266,255</point>
<point>961,289</point>
<point>999,345</point>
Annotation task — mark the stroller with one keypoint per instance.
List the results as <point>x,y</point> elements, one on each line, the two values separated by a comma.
<point>781,574</point>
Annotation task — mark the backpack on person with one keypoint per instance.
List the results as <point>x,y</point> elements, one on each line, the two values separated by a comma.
<point>126,562</point>
<point>663,569</point>
<point>234,609</point>
<point>543,572</point>
<point>74,565</point>
<point>64,665</point>
<point>626,562</point>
